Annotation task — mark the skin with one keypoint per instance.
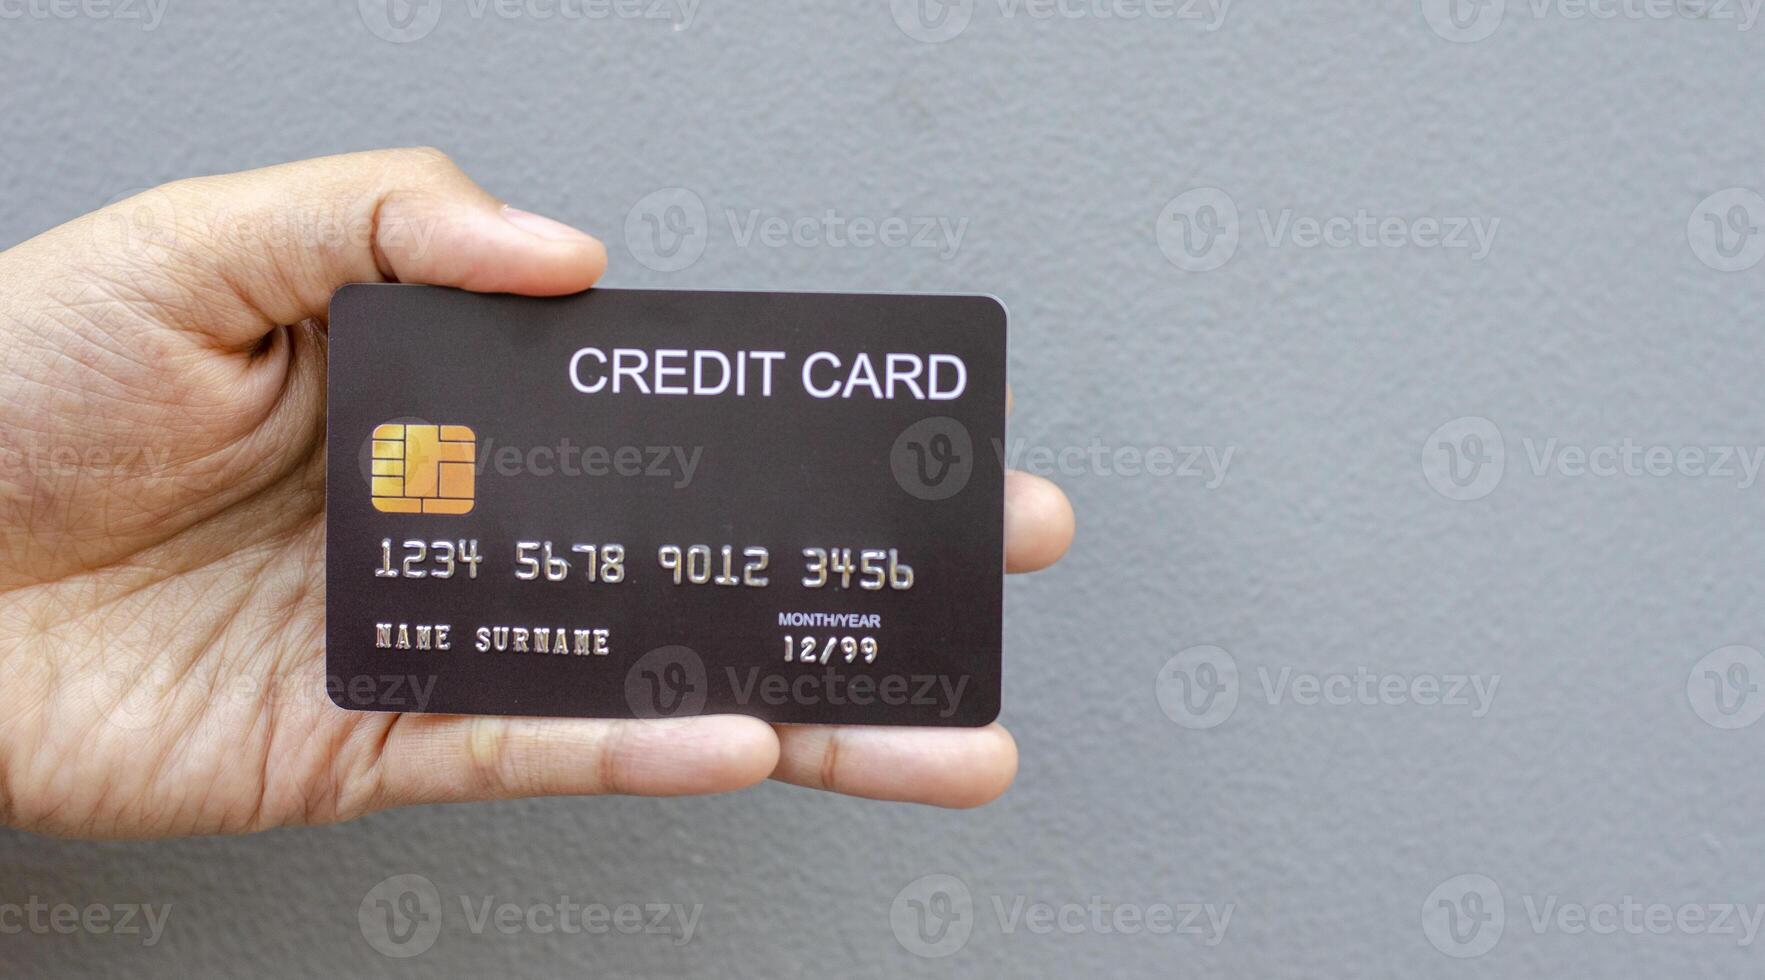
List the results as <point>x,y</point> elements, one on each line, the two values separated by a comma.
<point>162,373</point>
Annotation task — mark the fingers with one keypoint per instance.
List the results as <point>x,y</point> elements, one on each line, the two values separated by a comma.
<point>1038,517</point>
<point>448,759</point>
<point>950,767</point>
<point>236,255</point>
<point>1038,522</point>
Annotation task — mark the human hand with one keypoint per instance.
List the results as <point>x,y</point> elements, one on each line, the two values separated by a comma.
<point>162,421</point>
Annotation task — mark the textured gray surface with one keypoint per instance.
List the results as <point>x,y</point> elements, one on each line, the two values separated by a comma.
<point>1592,320</point>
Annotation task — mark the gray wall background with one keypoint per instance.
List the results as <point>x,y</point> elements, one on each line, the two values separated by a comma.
<point>1601,313</point>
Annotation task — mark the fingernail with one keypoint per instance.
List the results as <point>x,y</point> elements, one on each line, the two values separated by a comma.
<point>543,227</point>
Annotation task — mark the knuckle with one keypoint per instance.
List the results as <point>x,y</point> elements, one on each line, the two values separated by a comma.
<point>189,204</point>
<point>610,771</point>
<point>828,773</point>
<point>491,756</point>
<point>426,161</point>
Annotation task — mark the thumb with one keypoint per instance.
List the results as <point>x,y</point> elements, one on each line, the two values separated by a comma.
<point>235,256</point>
<point>168,322</point>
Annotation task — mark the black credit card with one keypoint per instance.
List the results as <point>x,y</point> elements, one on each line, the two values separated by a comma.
<point>657,503</point>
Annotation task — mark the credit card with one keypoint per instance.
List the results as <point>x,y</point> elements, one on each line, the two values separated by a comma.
<point>661,503</point>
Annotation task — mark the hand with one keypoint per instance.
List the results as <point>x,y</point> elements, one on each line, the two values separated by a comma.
<point>162,421</point>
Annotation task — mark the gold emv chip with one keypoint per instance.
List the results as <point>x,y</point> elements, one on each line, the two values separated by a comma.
<point>424,469</point>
